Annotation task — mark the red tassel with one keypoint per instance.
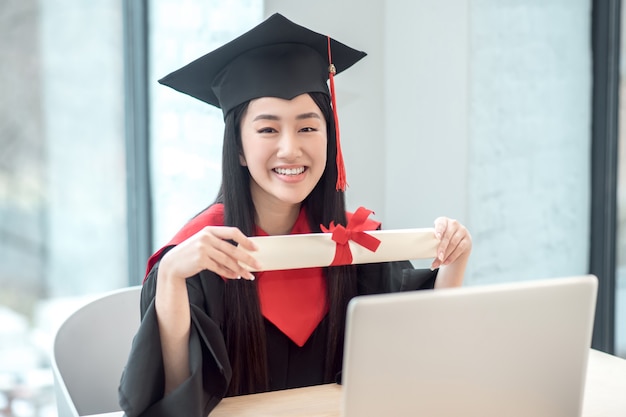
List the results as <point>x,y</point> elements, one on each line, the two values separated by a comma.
<point>341,169</point>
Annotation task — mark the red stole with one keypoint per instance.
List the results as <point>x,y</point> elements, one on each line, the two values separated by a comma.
<point>293,300</point>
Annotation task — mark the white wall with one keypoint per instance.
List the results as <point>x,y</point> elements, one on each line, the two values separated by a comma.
<point>530,136</point>
<point>474,109</point>
<point>426,111</point>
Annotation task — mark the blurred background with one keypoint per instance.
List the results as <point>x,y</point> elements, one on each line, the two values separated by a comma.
<point>508,116</point>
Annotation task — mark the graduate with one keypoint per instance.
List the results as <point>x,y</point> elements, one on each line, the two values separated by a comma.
<point>211,328</point>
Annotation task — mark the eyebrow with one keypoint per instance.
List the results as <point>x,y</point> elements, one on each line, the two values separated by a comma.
<point>310,115</point>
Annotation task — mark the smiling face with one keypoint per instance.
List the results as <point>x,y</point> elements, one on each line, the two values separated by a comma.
<point>284,147</point>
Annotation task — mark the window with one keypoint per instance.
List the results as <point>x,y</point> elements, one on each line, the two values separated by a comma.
<point>62,180</point>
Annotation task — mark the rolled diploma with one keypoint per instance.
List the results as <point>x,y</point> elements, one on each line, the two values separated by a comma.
<point>318,249</point>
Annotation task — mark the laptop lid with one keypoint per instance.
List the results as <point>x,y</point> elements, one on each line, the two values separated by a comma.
<point>514,349</point>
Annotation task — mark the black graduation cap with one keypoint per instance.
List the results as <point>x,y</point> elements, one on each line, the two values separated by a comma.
<point>277,58</point>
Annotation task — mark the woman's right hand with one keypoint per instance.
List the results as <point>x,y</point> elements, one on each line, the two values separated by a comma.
<point>211,249</point>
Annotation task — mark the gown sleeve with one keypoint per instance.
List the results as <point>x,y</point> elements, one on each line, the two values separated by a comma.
<point>142,382</point>
<point>386,277</point>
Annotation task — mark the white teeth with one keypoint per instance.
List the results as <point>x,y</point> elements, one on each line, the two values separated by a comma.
<point>289,171</point>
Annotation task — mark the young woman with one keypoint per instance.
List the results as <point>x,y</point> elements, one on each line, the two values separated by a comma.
<point>210,328</point>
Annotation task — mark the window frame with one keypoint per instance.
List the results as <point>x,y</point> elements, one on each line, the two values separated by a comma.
<point>605,43</point>
<point>138,185</point>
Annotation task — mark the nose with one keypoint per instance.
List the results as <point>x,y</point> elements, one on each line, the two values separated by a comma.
<point>289,147</point>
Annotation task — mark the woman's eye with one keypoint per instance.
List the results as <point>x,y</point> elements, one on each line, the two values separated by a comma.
<point>266,130</point>
<point>308,129</point>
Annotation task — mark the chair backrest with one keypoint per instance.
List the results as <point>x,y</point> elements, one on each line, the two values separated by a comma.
<point>90,350</point>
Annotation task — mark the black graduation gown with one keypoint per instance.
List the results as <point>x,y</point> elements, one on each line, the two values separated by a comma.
<point>290,366</point>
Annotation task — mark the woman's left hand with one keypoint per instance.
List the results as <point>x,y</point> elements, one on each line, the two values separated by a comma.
<point>455,243</point>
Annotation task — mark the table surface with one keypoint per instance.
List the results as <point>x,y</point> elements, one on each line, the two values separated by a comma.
<point>604,396</point>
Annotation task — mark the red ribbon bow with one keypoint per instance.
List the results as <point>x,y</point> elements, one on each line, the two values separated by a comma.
<point>353,231</point>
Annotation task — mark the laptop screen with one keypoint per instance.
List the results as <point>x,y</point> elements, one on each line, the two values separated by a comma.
<point>514,349</point>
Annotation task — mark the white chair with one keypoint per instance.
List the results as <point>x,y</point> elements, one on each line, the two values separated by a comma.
<point>90,350</point>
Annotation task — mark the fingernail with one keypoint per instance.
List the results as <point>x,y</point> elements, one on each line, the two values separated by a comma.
<point>238,276</point>
<point>441,256</point>
<point>251,277</point>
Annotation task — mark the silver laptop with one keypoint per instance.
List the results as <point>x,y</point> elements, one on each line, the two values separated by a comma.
<point>506,350</point>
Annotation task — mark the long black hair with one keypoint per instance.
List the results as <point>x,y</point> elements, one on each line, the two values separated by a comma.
<point>244,328</point>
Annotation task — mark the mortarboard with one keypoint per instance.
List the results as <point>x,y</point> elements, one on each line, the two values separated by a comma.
<point>276,58</point>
